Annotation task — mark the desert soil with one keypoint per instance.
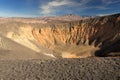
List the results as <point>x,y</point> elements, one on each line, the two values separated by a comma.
<point>61,69</point>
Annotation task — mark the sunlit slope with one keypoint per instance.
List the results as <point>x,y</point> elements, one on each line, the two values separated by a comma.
<point>11,50</point>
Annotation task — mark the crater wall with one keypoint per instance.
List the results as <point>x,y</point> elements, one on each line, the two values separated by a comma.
<point>102,34</point>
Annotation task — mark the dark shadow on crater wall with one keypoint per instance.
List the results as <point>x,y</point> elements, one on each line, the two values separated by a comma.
<point>105,38</point>
<point>111,50</point>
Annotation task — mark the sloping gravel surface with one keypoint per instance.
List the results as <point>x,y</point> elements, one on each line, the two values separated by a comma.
<point>61,69</point>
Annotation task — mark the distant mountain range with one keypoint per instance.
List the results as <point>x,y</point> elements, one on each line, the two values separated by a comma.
<point>67,17</point>
<point>47,19</point>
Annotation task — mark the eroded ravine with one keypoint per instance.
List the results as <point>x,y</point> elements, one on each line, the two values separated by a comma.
<point>82,38</point>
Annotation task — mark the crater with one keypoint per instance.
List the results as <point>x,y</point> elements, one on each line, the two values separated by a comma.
<point>85,38</point>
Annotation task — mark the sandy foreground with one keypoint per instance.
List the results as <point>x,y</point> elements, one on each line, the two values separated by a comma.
<point>61,69</point>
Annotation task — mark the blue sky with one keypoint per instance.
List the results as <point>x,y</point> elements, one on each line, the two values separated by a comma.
<point>36,8</point>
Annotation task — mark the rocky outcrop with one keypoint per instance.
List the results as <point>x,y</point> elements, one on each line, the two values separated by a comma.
<point>100,32</point>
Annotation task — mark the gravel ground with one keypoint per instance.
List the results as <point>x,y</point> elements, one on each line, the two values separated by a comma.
<point>61,69</point>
